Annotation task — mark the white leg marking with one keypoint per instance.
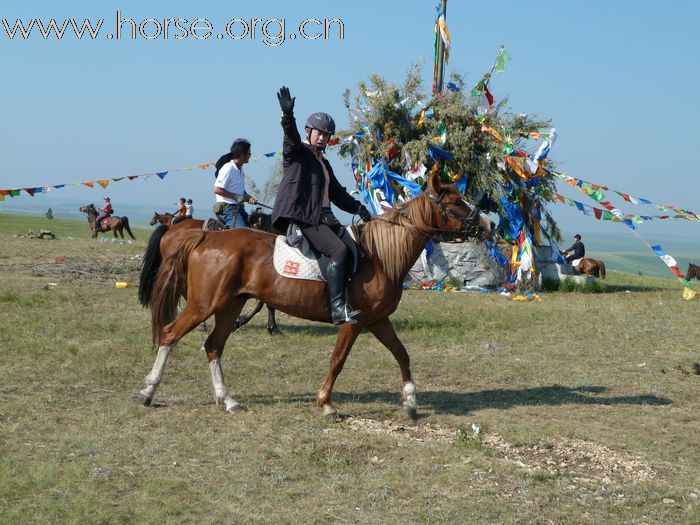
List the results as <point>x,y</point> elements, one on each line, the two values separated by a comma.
<point>409,394</point>
<point>221,394</point>
<point>154,378</point>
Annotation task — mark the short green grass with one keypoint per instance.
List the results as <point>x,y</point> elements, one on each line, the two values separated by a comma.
<point>547,383</point>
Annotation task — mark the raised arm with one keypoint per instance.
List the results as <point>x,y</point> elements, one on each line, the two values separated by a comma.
<point>292,140</point>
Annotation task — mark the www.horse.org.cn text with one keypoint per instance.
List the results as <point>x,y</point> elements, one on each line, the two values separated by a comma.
<point>271,32</point>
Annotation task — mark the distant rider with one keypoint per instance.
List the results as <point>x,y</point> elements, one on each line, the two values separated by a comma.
<point>576,250</point>
<point>106,211</point>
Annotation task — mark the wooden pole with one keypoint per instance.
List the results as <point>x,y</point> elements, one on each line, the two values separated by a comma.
<point>441,53</point>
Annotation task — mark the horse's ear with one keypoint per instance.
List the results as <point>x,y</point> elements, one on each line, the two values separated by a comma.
<point>434,184</point>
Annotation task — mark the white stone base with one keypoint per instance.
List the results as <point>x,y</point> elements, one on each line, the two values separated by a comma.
<point>471,263</point>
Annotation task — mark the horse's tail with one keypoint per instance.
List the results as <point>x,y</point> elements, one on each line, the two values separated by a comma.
<point>171,282</point>
<point>126,225</point>
<point>150,265</point>
<point>601,267</point>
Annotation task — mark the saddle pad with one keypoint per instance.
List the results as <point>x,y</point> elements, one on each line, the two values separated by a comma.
<point>575,262</point>
<point>289,262</point>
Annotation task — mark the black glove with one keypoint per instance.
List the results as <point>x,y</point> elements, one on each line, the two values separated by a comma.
<point>364,213</point>
<point>286,101</point>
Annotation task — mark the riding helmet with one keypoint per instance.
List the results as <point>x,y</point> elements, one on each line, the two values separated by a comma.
<point>322,122</point>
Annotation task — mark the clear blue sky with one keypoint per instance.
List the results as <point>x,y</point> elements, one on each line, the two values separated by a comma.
<point>618,79</point>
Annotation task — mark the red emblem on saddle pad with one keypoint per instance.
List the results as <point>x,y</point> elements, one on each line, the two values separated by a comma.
<point>291,268</point>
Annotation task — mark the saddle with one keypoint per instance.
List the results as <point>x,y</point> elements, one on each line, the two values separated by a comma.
<point>295,258</point>
<point>213,225</point>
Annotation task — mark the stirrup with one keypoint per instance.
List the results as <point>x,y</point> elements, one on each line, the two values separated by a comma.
<point>347,315</point>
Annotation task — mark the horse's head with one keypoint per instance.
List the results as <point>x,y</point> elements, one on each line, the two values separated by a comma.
<point>88,208</point>
<point>154,220</point>
<point>693,271</point>
<point>455,217</point>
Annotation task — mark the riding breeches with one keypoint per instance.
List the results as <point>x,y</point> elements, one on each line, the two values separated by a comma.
<point>325,241</point>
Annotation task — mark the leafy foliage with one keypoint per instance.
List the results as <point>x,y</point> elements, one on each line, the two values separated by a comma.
<point>393,122</point>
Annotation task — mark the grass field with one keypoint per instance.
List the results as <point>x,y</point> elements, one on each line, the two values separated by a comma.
<point>587,406</point>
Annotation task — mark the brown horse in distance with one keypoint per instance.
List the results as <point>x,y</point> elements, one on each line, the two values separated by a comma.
<point>594,267</point>
<point>161,218</point>
<point>220,271</point>
<point>693,271</point>
<point>112,223</point>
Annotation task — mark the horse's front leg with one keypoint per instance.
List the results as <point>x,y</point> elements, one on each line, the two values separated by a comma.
<point>384,331</point>
<point>346,338</point>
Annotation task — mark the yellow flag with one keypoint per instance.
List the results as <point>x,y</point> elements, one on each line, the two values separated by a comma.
<point>421,119</point>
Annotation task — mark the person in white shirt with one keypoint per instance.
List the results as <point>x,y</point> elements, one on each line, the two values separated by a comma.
<point>189,209</point>
<point>230,185</point>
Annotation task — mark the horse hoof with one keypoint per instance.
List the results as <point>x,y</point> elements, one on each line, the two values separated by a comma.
<point>236,409</point>
<point>331,417</point>
<point>411,411</point>
<point>145,399</point>
<point>274,331</point>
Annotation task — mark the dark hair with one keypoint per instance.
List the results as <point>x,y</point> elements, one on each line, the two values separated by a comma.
<point>240,147</point>
<point>189,201</point>
<point>182,199</point>
<point>577,236</point>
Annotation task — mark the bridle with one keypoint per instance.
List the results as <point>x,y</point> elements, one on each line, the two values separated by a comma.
<point>470,223</point>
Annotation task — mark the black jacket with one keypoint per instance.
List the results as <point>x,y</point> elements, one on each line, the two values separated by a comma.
<point>579,251</point>
<point>300,193</point>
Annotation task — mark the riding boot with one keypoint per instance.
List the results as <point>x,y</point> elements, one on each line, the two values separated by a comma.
<point>341,311</point>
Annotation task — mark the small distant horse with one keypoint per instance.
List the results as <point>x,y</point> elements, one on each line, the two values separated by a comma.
<point>219,272</point>
<point>693,271</point>
<point>113,222</point>
<point>594,267</point>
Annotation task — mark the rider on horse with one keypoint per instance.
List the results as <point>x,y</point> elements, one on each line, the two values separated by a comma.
<point>230,185</point>
<point>181,213</point>
<point>304,199</point>
<point>106,211</point>
<point>578,250</point>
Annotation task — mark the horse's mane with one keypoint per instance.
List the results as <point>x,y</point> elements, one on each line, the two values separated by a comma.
<point>388,239</point>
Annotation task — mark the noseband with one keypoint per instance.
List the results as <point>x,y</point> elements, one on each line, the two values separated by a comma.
<point>470,224</point>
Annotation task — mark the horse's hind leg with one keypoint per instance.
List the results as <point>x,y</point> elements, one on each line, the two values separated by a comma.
<point>225,322</point>
<point>384,331</point>
<point>169,336</point>
<point>272,327</point>
<point>244,319</point>
<point>346,337</point>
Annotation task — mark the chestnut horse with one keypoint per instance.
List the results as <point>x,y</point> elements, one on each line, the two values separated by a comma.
<point>594,267</point>
<point>218,272</point>
<point>693,271</point>
<point>113,223</point>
